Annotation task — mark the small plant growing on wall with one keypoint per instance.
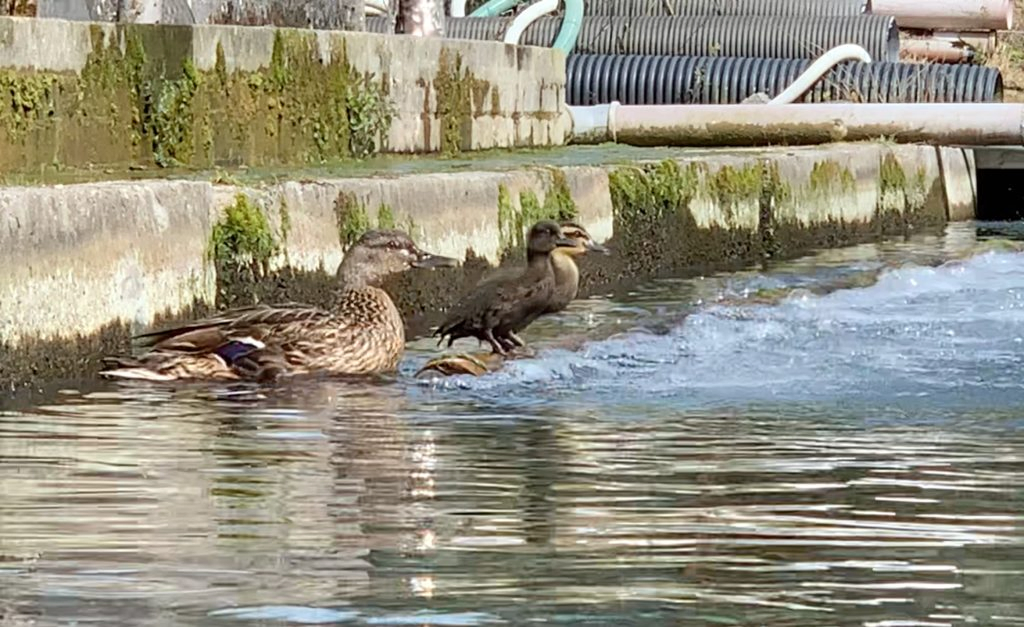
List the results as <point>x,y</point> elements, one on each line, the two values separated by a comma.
<point>370,112</point>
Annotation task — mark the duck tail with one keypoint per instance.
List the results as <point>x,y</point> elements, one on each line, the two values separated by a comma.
<point>128,368</point>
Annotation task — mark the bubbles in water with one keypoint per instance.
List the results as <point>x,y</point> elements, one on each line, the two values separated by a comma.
<point>945,333</point>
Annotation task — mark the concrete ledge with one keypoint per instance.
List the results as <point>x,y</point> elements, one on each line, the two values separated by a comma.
<point>105,259</point>
<point>98,94</point>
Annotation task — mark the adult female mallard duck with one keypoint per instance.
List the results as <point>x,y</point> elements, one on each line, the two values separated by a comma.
<point>500,307</point>
<point>362,333</point>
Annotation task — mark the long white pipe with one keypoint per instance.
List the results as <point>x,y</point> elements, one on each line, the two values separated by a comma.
<point>458,8</point>
<point>821,65</point>
<point>377,7</point>
<point>965,124</point>
<point>948,14</point>
<point>532,13</point>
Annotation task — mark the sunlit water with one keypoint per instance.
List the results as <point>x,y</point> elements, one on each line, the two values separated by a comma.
<point>833,441</point>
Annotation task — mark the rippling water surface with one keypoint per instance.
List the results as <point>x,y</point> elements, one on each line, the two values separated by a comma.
<point>837,440</point>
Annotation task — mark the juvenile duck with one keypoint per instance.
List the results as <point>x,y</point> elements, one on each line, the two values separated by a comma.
<point>362,333</point>
<point>567,281</point>
<point>500,307</point>
<point>563,260</point>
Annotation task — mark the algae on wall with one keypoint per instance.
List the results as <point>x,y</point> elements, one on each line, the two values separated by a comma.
<point>656,216</point>
<point>353,219</point>
<point>242,246</point>
<point>460,96</point>
<point>515,220</point>
<point>140,100</point>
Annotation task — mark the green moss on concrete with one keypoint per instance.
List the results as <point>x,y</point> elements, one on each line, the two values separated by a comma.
<point>898,192</point>
<point>654,217</point>
<point>370,112</point>
<point>460,95</point>
<point>558,201</point>
<point>514,221</point>
<point>891,175</point>
<point>170,122</point>
<point>506,218</point>
<point>352,218</point>
<point>386,217</point>
<point>242,242</point>
<point>729,187</point>
<point>642,196</point>
<point>828,176</point>
<point>140,100</point>
<point>284,216</point>
<point>25,99</point>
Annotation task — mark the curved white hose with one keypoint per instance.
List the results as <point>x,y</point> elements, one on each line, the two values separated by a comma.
<point>458,8</point>
<point>821,65</point>
<point>378,7</point>
<point>532,13</point>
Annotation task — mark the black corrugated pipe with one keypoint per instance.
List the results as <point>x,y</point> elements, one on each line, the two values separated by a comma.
<point>792,8</point>
<point>727,36</point>
<point>650,80</point>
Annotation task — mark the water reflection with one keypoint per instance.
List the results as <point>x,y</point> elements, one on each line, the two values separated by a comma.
<point>578,501</point>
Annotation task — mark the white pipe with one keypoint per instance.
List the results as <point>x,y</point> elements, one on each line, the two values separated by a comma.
<point>948,14</point>
<point>821,65</point>
<point>378,7</point>
<point>458,8</point>
<point>532,13</point>
<point>964,124</point>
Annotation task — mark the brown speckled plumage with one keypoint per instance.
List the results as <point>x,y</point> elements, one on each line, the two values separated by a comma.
<point>363,333</point>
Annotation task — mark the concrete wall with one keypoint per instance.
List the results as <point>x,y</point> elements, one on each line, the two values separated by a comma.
<point>320,14</point>
<point>96,95</point>
<point>102,260</point>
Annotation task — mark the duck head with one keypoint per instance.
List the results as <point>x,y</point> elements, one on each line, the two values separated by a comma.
<point>381,253</point>
<point>584,243</point>
<point>544,237</point>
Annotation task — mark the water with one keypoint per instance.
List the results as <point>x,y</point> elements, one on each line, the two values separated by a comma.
<point>838,440</point>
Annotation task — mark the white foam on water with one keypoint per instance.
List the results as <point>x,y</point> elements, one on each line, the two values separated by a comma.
<point>952,332</point>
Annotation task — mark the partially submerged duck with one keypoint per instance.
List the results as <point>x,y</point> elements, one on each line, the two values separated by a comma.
<point>361,334</point>
<point>498,308</point>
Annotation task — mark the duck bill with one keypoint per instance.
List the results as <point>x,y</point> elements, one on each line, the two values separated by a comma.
<point>427,260</point>
<point>565,242</point>
<point>594,247</point>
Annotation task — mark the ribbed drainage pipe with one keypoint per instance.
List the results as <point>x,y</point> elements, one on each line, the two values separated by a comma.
<point>792,8</point>
<point>636,79</point>
<point>727,36</point>
<point>960,124</point>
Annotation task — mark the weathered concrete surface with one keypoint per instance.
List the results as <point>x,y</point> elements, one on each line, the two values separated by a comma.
<point>320,14</point>
<point>959,177</point>
<point>98,95</point>
<point>87,264</point>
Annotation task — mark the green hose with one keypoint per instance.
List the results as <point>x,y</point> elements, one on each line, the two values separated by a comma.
<point>571,24</point>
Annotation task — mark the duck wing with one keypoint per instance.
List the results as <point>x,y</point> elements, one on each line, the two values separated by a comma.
<point>254,326</point>
<point>505,295</point>
<point>519,303</point>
